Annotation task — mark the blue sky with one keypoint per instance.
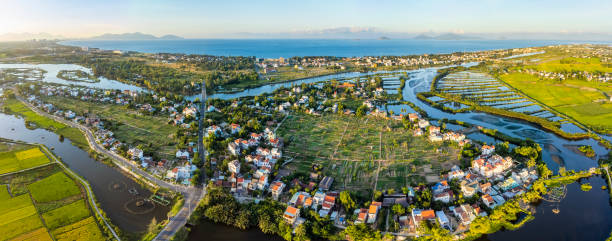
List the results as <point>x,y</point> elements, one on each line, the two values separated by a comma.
<point>218,19</point>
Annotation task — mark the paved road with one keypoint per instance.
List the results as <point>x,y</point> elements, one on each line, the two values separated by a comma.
<point>191,195</point>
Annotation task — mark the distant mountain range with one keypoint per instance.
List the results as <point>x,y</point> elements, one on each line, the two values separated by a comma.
<point>446,36</point>
<point>133,36</point>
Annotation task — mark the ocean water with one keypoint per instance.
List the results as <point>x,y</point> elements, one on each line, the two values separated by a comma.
<point>274,48</point>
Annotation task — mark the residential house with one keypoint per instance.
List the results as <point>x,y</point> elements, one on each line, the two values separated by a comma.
<point>291,214</point>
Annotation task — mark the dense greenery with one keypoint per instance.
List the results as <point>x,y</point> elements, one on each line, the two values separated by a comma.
<point>221,207</point>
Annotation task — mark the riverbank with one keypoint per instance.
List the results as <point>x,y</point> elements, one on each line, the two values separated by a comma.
<point>95,151</point>
<point>61,196</point>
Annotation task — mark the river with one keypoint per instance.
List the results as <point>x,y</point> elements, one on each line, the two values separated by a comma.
<point>109,184</point>
<point>583,216</point>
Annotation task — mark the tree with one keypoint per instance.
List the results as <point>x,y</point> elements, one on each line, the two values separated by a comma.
<point>301,233</point>
<point>398,209</point>
<point>243,219</point>
<point>362,232</point>
<point>346,201</point>
<point>361,111</point>
<point>531,163</point>
<point>152,226</point>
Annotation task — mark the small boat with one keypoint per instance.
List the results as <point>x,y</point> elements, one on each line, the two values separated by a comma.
<point>555,211</point>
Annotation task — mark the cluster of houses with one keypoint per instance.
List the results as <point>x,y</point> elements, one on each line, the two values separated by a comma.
<point>179,170</point>
<point>261,153</point>
<point>178,113</point>
<point>323,203</point>
<point>599,77</point>
<point>434,132</point>
<point>489,181</point>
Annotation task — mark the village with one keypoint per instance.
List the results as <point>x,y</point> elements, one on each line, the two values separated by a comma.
<point>246,158</point>
<point>254,171</point>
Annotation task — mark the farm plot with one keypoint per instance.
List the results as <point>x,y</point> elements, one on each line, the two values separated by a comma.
<point>12,161</point>
<point>55,187</point>
<point>44,204</point>
<point>18,216</point>
<point>350,149</point>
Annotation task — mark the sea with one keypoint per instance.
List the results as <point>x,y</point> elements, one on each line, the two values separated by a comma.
<point>275,48</point>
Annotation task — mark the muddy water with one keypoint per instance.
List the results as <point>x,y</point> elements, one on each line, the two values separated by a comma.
<point>110,186</point>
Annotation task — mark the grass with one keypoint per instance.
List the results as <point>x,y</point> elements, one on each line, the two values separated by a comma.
<point>352,156</point>
<point>586,187</point>
<point>85,229</point>
<point>65,215</point>
<point>134,128</point>
<point>19,160</point>
<point>584,101</point>
<point>55,187</point>
<point>75,135</point>
<point>40,234</point>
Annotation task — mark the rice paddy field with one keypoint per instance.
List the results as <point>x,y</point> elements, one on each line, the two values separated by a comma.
<point>588,102</point>
<point>16,160</point>
<point>350,149</point>
<point>44,203</point>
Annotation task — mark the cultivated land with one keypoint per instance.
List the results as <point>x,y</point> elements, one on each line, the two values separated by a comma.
<point>16,106</point>
<point>350,148</point>
<point>43,203</point>
<point>588,102</point>
<point>12,161</point>
<point>134,127</point>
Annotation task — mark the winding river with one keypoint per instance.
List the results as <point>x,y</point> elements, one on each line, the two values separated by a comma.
<point>583,215</point>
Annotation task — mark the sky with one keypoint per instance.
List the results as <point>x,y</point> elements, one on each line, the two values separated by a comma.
<point>228,19</point>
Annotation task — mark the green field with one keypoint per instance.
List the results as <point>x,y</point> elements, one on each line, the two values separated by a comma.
<point>12,161</point>
<point>352,156</point>
<point>584,101</point>
<point>75,135</point>
<point>134,128</point>
<point>63,187</point>
<point>85,229</point>
<point>45,192</point>
<point>17,216</point>
<point>66,215</point>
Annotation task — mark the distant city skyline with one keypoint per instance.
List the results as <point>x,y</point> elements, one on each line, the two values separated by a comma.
<point>589,19</point>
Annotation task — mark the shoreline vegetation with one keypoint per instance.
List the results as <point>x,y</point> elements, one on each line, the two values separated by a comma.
<point>77,76</point>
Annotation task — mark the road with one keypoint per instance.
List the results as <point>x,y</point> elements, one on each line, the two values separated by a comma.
<point>191,195</point>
